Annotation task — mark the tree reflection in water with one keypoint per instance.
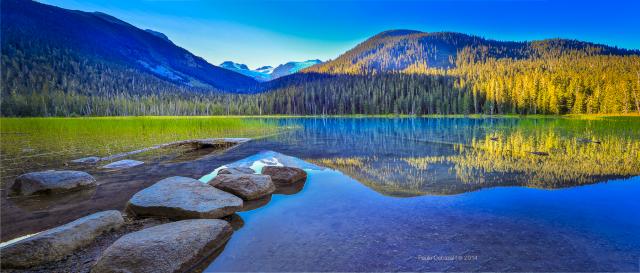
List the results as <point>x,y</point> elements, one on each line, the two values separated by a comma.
<point>538,153</point>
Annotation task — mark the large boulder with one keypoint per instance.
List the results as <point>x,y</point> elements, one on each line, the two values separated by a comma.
<point>237,170</point>
<point>247,186</point>
<point>51,182</point>
<point>285,175</point>
<point>172,247</point>
<point>183,198</point>
<point>55,244</point>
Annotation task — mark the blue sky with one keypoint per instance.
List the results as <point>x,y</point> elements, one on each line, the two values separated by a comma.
<point>271,32</point>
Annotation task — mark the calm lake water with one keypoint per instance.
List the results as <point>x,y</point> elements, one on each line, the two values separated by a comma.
<point>415,194</point>
<point>449,195</point>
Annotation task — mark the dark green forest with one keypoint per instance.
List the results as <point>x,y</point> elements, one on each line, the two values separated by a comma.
<point>569,83</point>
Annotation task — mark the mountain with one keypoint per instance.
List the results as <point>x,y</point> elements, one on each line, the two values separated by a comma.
<point>267,73</point>
<point>96,51</point>
<point>410,50</point>
<point>292,67</point>
<point>412,72</point>
<point>267,69</point>
<point>259,75</point>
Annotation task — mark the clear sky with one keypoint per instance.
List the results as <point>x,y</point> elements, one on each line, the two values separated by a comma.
<point>272,32</point>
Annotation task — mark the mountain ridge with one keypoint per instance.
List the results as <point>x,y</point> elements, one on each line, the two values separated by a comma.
<point>36,30</point>
<point>400,50</point>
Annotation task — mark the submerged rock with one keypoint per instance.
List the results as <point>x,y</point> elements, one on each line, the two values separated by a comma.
<point>237,170</point>
<point>172,247</point>
<point>50,182</point>
<point>235,221</point>
<point>246,186</point>
<point>86,160</point>
<point>45,204</point>
<point>183,198</point>
<point>289,189</point>
<point>256,203</point>
<point>285,175</point>
<point>122,164</point>
<point>55,244</point>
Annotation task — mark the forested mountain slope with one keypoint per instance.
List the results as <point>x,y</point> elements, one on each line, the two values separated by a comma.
<point>46,49</point>
<point>411,72</point>
<point>409,50</point>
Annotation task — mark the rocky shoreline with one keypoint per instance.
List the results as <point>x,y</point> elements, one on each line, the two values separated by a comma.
<point>177,224</point>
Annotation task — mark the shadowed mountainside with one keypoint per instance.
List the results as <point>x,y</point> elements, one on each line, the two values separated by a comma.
<point>97,53</point>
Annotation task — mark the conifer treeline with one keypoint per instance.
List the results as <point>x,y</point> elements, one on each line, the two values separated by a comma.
<point>566,82</point>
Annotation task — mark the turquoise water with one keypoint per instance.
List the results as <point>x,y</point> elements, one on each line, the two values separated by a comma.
<point>364,208</point>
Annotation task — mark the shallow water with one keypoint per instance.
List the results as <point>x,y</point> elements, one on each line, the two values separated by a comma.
<point>413,194</point>
<point>337,224</point>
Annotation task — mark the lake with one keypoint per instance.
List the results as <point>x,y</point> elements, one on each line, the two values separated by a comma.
<point>407,194</point>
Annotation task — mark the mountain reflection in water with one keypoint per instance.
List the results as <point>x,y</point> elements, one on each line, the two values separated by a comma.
<point>338,222</point>
<point>419,156</point>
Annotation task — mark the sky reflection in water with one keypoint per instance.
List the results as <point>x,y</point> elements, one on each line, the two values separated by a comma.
<point>456,213</point>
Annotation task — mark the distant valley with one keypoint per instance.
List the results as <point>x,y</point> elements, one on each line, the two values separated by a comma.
<point>267,73</point>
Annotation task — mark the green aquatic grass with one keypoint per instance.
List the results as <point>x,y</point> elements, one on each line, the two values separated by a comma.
<point>28,144</point>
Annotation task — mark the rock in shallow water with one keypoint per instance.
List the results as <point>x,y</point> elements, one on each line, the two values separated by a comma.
<point>172,247</point>
<point>86,160</point>
<point>246,186</point>
<point>183,198</point>
<point>284,175</point>
<point>51,182</point>
<point>55,244</point>
<point>237,170</point>
<point>122,164</point>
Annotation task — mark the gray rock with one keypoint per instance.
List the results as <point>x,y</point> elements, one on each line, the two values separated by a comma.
<point>247,186</point>
<point>86,160</point>
<point>122,164</point>
<point>172,247</point>
<point>51,182</point>
<point>183,198</point>
<point>237,170</point>
<point>55,244</point>
<point>285,175</point>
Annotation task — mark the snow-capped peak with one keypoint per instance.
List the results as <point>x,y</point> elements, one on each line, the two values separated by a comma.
<point>232,65</point>
<point>267,69</point>
<point>267,72</point>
